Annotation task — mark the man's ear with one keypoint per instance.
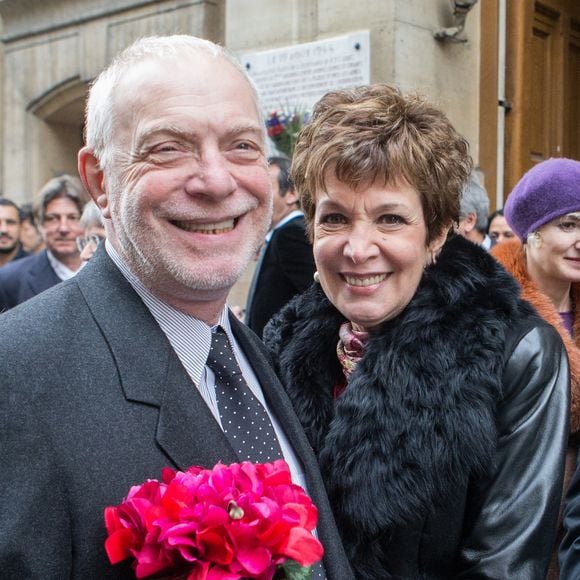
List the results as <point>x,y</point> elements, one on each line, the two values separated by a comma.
<point>291,197</point>
<point>93,179</point>
<point>469,221</point>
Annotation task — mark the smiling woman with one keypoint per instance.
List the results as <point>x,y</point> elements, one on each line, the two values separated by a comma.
<point>404,363</point>
<point>370,248</point>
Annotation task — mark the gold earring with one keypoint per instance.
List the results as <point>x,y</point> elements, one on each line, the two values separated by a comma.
<point>316,277</point>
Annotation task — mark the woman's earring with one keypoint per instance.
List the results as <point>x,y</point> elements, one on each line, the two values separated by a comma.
<point>316,277</point>
<point>431,259</point>
<point>534,240</point>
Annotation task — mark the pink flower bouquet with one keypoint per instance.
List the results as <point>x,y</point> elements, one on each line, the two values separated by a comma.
<point>231,522</point>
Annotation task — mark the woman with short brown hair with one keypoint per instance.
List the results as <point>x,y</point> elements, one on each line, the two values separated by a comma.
<point>430,392</point>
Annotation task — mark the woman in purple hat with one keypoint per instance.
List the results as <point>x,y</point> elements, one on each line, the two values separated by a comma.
<point>544,212</point>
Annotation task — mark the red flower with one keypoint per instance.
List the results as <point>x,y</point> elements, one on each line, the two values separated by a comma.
<point>231,522</point>
<point>283,128</point>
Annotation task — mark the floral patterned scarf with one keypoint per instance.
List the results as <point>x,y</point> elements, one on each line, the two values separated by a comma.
<point>350,348</point>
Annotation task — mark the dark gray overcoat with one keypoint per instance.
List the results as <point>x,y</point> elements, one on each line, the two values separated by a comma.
<point>93,400</point>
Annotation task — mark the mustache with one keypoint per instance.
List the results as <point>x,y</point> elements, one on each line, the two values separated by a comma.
<point>6,236</point>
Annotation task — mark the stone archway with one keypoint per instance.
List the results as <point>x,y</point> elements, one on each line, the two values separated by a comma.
<point>60,114</point>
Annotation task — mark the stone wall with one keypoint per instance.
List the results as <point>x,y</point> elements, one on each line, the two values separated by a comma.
<point>52,50</point>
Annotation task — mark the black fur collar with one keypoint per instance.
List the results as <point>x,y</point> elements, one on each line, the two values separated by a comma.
<point>418,416</point>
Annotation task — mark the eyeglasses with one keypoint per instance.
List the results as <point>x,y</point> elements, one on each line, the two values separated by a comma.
<point>84,241</point>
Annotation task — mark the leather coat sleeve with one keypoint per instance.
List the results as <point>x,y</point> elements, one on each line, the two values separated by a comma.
<point>512,512</point>
<point>570,548</point>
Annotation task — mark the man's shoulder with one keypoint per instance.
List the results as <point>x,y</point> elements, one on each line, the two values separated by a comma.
<point>293,231</point>
<point>63,312</point>
<point>54,301</point>
<point>49,304</point>
<point>17,267</point>
<point>22,253</point>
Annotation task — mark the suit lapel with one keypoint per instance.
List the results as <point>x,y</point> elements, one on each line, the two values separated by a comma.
<point>41,275</point>
<point>150,372</point>
<point>187,430</point>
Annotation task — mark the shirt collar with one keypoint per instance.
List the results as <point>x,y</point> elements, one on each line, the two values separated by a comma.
<point>291,216</point>
<point>62,271</point>
<point>147,295</point>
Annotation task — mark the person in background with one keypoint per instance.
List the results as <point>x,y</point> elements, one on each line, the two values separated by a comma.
<point>94,231</point>
<point>544,212</point>
<point>60,204</point>
<point>498,229</point>
<point>30,236</point>
<point>473,213</point>
<point>285,265</point>
<point>10,246</point>
<point>442,456</point>
<point>128,367</point>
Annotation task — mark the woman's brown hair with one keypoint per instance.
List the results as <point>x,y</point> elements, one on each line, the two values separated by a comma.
<point>377,132</point>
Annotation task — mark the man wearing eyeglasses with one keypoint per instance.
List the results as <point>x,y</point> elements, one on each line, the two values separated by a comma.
<point>60,205</point>
<point>94,231</point>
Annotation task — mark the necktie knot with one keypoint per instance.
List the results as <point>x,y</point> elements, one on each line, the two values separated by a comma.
<point>221,359</point>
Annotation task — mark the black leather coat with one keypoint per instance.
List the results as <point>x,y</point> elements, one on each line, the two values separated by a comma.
<point>444,457</point>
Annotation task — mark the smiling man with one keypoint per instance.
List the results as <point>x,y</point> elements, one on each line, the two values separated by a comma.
<point>118,373</point>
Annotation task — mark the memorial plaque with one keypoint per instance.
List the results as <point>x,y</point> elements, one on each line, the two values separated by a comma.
<point>295,77</point>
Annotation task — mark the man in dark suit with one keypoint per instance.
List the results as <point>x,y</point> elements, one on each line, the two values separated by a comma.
<point>10,222</point>
<point>105,379</point>
<point>286,265</point>
<point>60,204</point>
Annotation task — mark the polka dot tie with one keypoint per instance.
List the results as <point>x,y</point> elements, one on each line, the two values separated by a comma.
<point>244,419</point>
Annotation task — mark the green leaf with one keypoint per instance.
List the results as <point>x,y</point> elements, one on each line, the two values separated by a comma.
<point>294,571</point>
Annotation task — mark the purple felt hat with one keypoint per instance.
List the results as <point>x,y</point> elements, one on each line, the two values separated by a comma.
<point>549,190</point>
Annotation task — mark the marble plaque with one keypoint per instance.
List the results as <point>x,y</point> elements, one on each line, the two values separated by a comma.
<point>295,77</point>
